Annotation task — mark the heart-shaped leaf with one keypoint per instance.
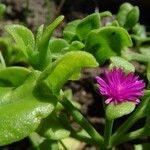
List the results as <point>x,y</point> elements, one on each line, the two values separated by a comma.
<point>75,45</point>
<point>107,41</point>
<point>52,128</point>
<point>119,110</point>
<point>128,15</point>
<point>87,24</point>
<point>13,76</point>
<point>122,63</point>
<point>132,18</point>
<point>22,110</point>
<point>56,46</point>
<point>23,36</point>
<point>65,67</point>
<point>70,30</point>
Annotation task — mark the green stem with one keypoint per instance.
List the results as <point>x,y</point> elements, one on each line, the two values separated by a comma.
<point>35,139</point>
<point>83,138</point>
<point>132,136</point>
<point>108,132</point>
<point>79,118</point>
<point>63,145</point>
<point>139,113</point>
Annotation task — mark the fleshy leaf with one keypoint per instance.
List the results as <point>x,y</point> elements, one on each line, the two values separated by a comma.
<point>2,9</point>
<point>23,36</point>
<point>132,18</point>
<point>13,76</point>
<point>52,128</point>
<point>65,67</point>
<point>71,144</point>
<point>122,63</point>
<point>49,145</point>
<point>128,15</point>
<point>70,30</point>
<point>119,110</point>
<point>143,146</point>
<point>71,26</point>
<point>56,46</point>
<point>106,42</point>
<point>22,111</point>
<point>75,45</point>
<point>87,24</point>
<point>43,47</point>
<point>39,34</point>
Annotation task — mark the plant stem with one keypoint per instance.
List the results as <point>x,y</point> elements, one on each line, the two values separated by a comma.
<point>132,135</point>
<point>139,113</point>
<point>63,145</point>
<point>108,132</point>
<point>79,118</point>
<point>83,138</point>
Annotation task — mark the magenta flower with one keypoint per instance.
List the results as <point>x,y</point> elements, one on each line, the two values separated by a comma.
<point>119,87</point>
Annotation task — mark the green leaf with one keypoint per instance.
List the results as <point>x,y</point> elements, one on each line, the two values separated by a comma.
<point>143,146</point>
<point>107,41</point>
<point>119,110</point>
<point>65,67</point>
<point>22,110</point>
<point>145,50</point>
<point>128,15</point>
<point>132,18</point>
<point>13,76</point>
<point>75,45</point>
<point>139,31</point>
<point>105,14</point>
<point>23,37</point>
<point>39,35</point>
<point>71,144</point>
<point>148,71</point>
<point>71,26</point>
<point>69,32</point>
<point>44,53</point>
<point>36,139</point>
<point>87,24</point>
<point>2,9</point>
<point>52,128</point>
<point>49,145</point>
<point>56,46</point>
<point>122,63</point>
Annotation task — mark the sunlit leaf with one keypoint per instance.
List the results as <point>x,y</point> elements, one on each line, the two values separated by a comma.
<point>122,63</point>
<point>52,128</point>
<point>119,110</point>
<point>128,15</point>
<point>56,46</point>
<point>23,36</point>
<point>106,42</point>
<point>66,66</point>
<point>43,47</point>
<point>22,110</point>
<point>13,76</point>
<point>87,24</point>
